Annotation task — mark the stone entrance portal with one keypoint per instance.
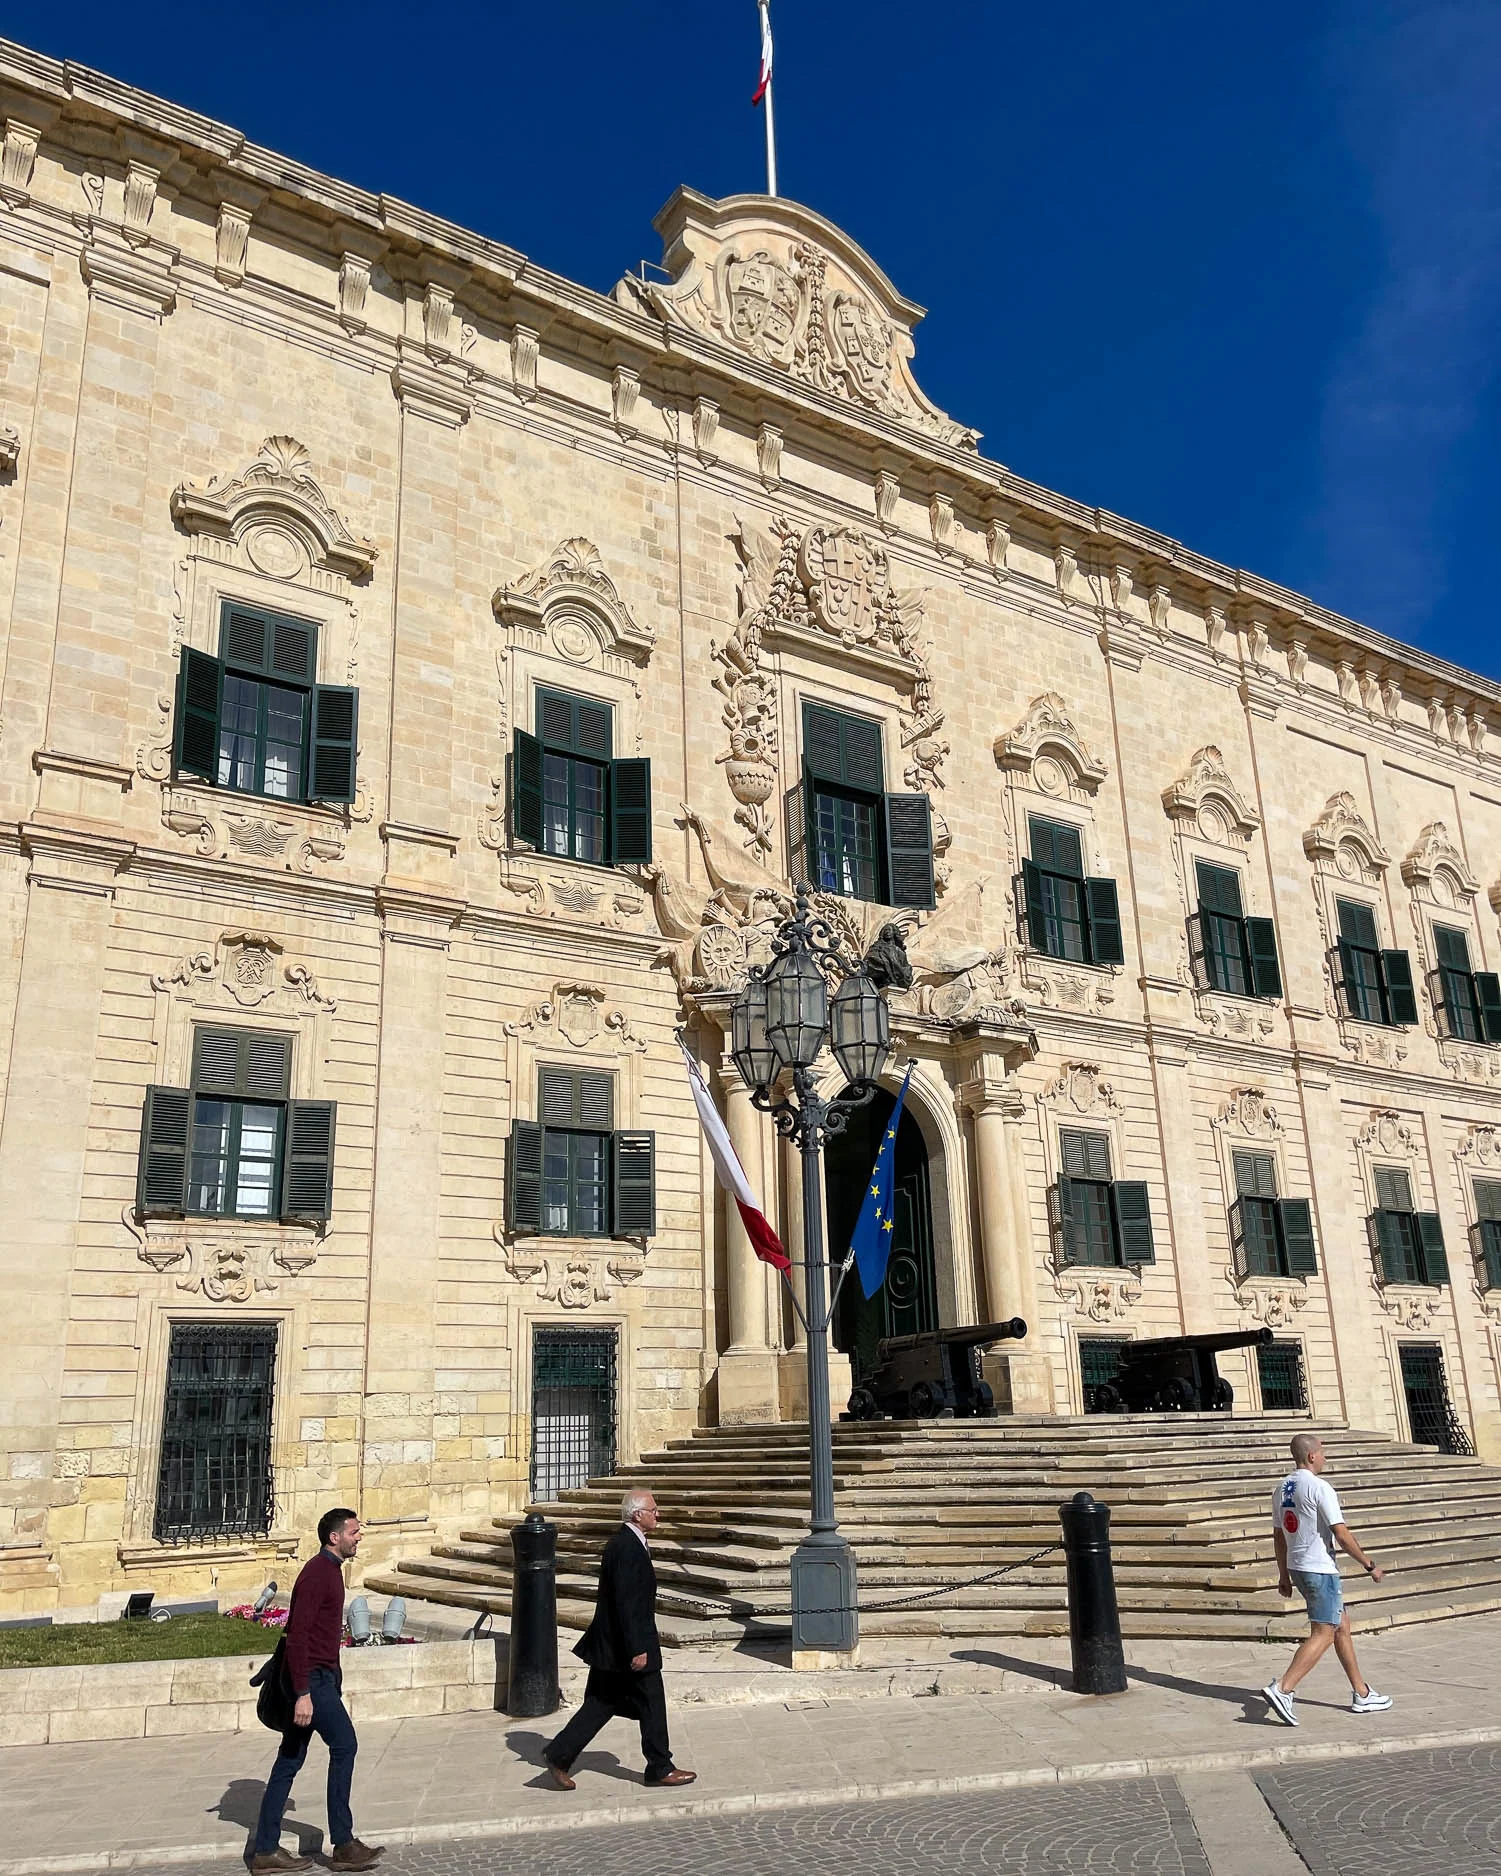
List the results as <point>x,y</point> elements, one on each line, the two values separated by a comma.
<point>908,1300</point>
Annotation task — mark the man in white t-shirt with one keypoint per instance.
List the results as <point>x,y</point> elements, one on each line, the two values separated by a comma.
<point>1307,1524</point>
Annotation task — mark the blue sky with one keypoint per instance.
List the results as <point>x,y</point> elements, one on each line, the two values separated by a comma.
<point>1232,271</point>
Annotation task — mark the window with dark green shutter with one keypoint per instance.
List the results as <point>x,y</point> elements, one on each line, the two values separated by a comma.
<point>1409,1244</point>
<point>1066,914</point>
<point>1485,1233</point>
<point>1270,1236</point>
<point>856,839</point>
<point>1097,1219</point>
<point>256,721</point>
<point>1456,992</point>
<point>570,796</point>
<point>235,1144</point>
<point>1230,951</point>
<point>1375,985</point>
<point>571,1172</point>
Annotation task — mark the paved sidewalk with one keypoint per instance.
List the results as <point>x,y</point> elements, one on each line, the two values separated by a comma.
<point>1191,1709</point>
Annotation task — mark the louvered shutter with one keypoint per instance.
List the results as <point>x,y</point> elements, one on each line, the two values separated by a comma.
<point>1435,1258</point>
<point>863,764</point>
<point>909,851</point>
<point>245,1064</point>
<point>823,746</point>
<point>216,1061</point>
<point>634,1159</point>
<point>195,727</point>
<point>524,1177</point>
<point>1452,947</point>
<point>1342,962</point>
<point>1105,942</point>
<point>1034,929</point>
<point>526,789</point>
<point>293,651</point>
<point>1068,1226</point>
<point>1199,955</point>
<point>571,1098</point>
<point>557,1097</point>
<point>1219,889</point>
<point>1401,999</point>
<point>1133,1222</point>
<point>335,731</point>
<point>1485,1237</point>
<point>1085,1155</point>
<point>1056,847</point>
<point>555,718</point>
<point>1393,1189</point>
<point>630,812</point>
<point>1488,1199</point>
<point>1256,1175</point>
<point>1266,972</point>
<point>1295,1219</point>
<point>1240,1252</point>
<point>269,645</point>
<point>595,1095</point>
<point>1392,1247</point>
<point>1357,924</point>
<point>1488,994</point>
<point>308,1168</point>
<point>162,1165</point>
<point>797,809</point>
<point>593,729</point>
<point>242,639</point>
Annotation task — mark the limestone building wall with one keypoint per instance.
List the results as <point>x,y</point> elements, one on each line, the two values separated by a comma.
<point>228,380</point>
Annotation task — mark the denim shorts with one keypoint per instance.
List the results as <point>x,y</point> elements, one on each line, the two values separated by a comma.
<point>1323,1595</point>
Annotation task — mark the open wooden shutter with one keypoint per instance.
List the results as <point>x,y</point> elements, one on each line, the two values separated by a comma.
<point>1295,1221</point>
<point>1199,955</point>
<point>524,1177</point>
<point>335,730</point>
<point>1133,1222</point>
<point>1105,945</point>
<point>308,1168</point>
<point>634,1161</point>
<point>1485,1238</point>
<point>909,851</point>
<point>1342,963</point>
<point>195,727</point>
<point>630,812</point>
<point>1391,1246</point>
<point>799,835</point>
<point>1240,1252</point>
<point>1034,924</point>
<point>162,1167</point>
<point>526,789</point>
<point>1068,1226</point>
<point>1261,943</point>
<point>1488,994</point>
<point>1435,1258</point>
<point>1401,1000</point>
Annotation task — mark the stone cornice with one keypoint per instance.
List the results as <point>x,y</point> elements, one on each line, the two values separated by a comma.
<point>91,113</point>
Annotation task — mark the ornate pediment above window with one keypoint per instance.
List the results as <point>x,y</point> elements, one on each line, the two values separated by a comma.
<point>1435,869</point>
<point>572,601</point>
<point>1205,799</point>
<point>1342,841</point>
<point>786,290</point>
<point>1047,748</point>
<point>276,513</point>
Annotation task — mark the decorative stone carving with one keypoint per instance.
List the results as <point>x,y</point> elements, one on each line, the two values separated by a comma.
<point>526,348</point>
<point>572,585</point>
<point>1273,1302</point>
<point>231,244</point>
<point>440,330</point>
<point>1081,1087</point>
<point>1249,1113</point>
<point>1065,569</point>
<point>705,429</point>
<point>570,1277</point>
<point>275,496</point>
<point>577,1013</point>
<point>1206,797</point>
<point>140,201</point>
<point>1342,841</point>
<point>1438,868</point>
<point>998,544</point>
<point>1412,1308</point>
<point>17,162</point>
<point>10,448</point>
<point>786,289</point>
<point>354,291</point>
<point>299,978</point>
<point>1047,733</point>
<point>888,494</point>
<point>1481,1149</point>
<point>769,455</point>
<point>244,965</point>
<point>941,522</point>
<point>1387,1134</point>
<point>1098,1295</point>
<point>1159,605</point>
<point>625,389</point>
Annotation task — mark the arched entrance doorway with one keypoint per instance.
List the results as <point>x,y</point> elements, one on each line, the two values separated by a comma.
<point>908,1300</point>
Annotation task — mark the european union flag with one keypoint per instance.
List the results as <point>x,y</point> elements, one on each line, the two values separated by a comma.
<point>871,1245</point>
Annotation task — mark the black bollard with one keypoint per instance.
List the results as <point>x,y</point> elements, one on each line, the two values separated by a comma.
<point>532,1670</point>
<point>1094,1622</point>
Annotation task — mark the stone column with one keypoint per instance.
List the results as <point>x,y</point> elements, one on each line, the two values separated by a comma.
<point>43,1142</point>
<point>1018,1371</point>
<point>748,1382</point>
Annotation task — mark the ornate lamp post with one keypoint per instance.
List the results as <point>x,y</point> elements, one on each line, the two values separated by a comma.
<point>779,1026</point>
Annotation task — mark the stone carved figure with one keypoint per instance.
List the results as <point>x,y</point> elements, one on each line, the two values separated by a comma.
<point>887,962</point>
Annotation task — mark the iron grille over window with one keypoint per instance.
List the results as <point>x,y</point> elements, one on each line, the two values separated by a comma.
<point>1409,1244</point>
<point>1066,914</point>
<point>1097,1219</point>
<point>569,796</point>
<point>1099,1366</point>
<point>215,1474</point>
<point>573,1409</point>
<point>1231,952</point>
<point>1284,1388</point>
<point>1431,1418</point>
<point>256,720</point>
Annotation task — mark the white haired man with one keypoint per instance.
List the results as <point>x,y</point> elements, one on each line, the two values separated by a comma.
<point>624,1654</point>
<point>1307,1524</point>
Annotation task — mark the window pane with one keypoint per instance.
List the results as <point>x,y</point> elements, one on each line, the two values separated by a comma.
<point>1461,1005</point>
<point>286,712</point>
<point>555,804</point>
<point>589,812</point>
<point>1363,980</point>
<point>589,1164</point>
<point>206,1179</point>
<point>256,1168</point>
<point>1260,1226</point>
<point>1222,939</point>
<point>1063,916</point>
<point>239,714</point>
<point>845,842</point>
<point>1092,1199</point>
<point>555,1182</point>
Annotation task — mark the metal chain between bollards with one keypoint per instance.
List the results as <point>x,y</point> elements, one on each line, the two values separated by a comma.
<point>879,1608</point>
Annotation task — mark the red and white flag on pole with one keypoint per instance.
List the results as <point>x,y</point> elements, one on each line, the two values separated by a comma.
<point>765,78</point>
<point>731,1174</point>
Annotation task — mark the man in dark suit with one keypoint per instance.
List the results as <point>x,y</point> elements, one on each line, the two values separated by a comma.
<point>624,1654</point>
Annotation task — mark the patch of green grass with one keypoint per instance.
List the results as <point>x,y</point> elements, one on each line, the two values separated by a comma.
<point>185,1637</point>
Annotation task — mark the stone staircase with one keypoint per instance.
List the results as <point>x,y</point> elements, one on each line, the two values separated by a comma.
<point>931,1504</point>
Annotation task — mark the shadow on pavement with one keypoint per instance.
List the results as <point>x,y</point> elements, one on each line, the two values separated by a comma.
<point>532,1748</point>
<point>1250,1702</point>
<point>241,1804</point>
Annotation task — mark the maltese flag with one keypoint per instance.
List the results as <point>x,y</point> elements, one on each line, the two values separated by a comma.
<point>765,79</point>
<point>731,1174</point>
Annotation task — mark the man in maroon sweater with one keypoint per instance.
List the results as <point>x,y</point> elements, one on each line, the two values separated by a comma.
<point>315,1633</point>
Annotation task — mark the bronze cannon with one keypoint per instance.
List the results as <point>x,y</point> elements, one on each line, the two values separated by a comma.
<point>934,1372</point>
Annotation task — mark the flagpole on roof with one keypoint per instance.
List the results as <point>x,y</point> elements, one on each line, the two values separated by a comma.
<point>763,96</point>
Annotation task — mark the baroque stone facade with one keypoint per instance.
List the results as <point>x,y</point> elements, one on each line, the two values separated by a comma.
<point>431,487</point>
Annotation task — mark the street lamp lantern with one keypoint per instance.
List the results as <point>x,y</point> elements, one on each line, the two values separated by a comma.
<point>750,1046</point>
<point>859,1028</point>
<point>797,1007</point>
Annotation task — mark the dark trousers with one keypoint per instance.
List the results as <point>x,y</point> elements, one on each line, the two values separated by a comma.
<point>610,1696</point>
<point>332,1723</point>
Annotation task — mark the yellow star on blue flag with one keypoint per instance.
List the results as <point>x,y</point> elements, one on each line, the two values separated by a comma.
<point>871,1244</point>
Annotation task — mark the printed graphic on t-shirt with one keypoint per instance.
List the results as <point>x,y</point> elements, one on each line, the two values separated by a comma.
<point>1305,1509</point>
<point>1289,1516</point>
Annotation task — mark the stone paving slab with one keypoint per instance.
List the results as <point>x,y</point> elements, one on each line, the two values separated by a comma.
<point>186,1800</point>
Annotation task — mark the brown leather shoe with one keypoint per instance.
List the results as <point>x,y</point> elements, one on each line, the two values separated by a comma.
<point>561,1778</point>
<point>675,1777</point>
<point>267,1862</point>
<point>355,1855</point>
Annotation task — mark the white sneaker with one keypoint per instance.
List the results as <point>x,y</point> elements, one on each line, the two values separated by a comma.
<point>1283,1705</point>
<point>1370,1702</point>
